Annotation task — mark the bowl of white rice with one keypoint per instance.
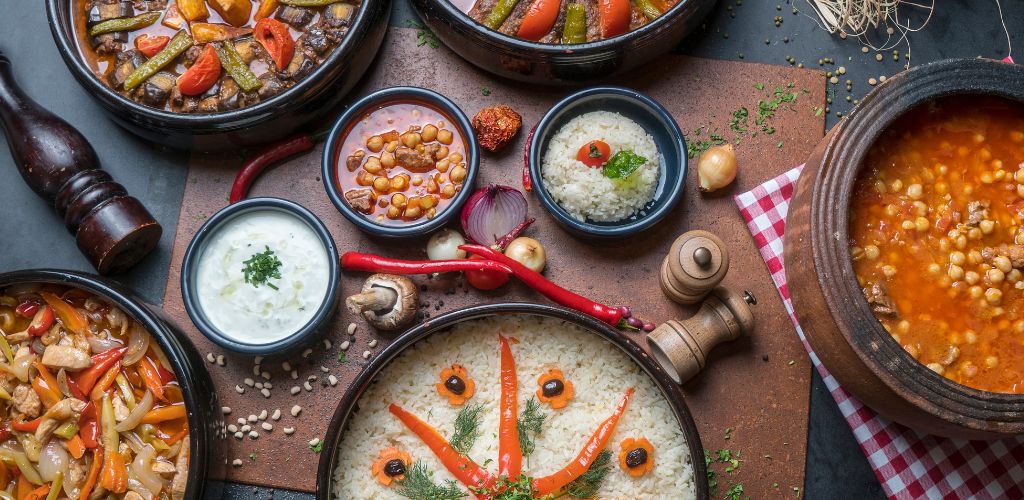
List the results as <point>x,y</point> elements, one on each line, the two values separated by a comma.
<point>373,452</point>
<point>608,162</point>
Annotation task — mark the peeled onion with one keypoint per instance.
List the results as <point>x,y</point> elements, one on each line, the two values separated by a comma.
<point>135,417</point>
<point>716,167</point>
<point>444,245</point>
<point>528,252</point>
<point>142,469</point>
<point>98,345</point>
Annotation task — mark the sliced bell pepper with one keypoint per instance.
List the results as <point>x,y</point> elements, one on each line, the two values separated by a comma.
<point>203,73</point>
<point>46,386</point>
<point>266,9</point>
<point>124,23</point>
<point>178,436</point>
<point>94,474</point>
<point>27,309</point>
<point>164,414</point>
<point>28,426</point>
<point>105,381</point>
<point>177,46</point>
<point>151,45</point>
<point>23,488</point>
<point>101,362</point>
<point>232,62</point>
<point>68,315</point>
<point>114,476</point>
<point>88,426</point>
<point>539,19</point>
<point>575,28</point>
<point>193,10</point>
<point>42,321</point>
<point>510,455</point>
<point>75,390</point>
<point>461,466</point>
<point>151,378</point>
<point>274,36</point>
<point>235,12</point>
<point>75,446</point>
<point>614,17</point>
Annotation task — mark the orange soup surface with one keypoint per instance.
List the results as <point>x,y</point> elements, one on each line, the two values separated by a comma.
<point>937,240</point>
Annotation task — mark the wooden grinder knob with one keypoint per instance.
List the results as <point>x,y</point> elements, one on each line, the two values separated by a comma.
<point>697,262</point>
<point>682,347</point>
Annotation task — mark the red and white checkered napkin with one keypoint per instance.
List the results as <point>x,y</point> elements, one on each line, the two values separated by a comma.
<point>907,463</point>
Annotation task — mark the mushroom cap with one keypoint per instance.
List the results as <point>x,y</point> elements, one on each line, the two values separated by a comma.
<point>406,302</point>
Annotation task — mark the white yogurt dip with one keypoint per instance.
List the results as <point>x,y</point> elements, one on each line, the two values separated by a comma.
<point>258,313</point>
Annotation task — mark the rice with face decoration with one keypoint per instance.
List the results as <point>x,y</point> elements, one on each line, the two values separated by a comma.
<point>573,378</point>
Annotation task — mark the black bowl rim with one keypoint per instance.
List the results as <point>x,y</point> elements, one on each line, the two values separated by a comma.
<point>335,139</point>
<point>190,264</point>
<point>172,346</point>
<point>641,101</point>
<point>551,49</point>
<point>669,389</point>
<point>69,51</point>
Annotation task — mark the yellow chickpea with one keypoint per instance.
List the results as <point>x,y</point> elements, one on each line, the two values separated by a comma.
<point>399,200</point>
<point>373,165</point>
<point>428,202</point>
<point>394,212</point>
<point>921,224</point>
<point>896,185</point>
<point>441,153</point>
<point>432,186</point>
<point>387,160</point>
<point>381,184</point>
<point>955,272</point>
<point>391,147</point>
<point>413,212</point>
<point>871,252</point>
<point>1002,263</point>
<point>410,139</point>
<point>458,174</point>
<point>915,191</point>
<point>364,178</point>
<point>444,136</point>
<point>448,191</point>
<point>993,296</point>
<point>442,166</point>
<point>994,276</point>
<point>431,213</point>
<point>971,278</point>
<point>417,180</point>
<point>399,182</point>
<point>375,143</point>
<point>455,158</point>
<point>429,133</point>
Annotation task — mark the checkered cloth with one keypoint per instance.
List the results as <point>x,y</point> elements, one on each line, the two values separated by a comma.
<point>908,464</point>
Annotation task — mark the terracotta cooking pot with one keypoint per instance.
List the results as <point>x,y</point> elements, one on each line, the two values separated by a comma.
<point>828,300</point>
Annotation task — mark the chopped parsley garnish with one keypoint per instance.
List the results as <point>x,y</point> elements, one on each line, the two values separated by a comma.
<point>261,268</point>
<point>252,456</point>
<point>423,35</point>
<point>593,152</point>
<point>342,358</point>
<point>623,164</point>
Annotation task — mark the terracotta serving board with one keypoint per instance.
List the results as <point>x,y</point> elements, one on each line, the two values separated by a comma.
<point>752,397</point>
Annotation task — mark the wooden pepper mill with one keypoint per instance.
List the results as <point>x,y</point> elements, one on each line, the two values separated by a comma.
<point>113,230</point>
<point>695,265</point>
<point>682,347</point>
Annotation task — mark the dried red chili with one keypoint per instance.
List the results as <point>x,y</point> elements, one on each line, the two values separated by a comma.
<point>269,156</point>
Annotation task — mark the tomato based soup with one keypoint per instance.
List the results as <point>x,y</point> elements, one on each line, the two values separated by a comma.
<point>402,162</point>
<point>937,240</point>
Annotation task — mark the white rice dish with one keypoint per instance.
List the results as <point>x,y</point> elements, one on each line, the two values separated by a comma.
<point>584,191</point>
<point>600,373</point>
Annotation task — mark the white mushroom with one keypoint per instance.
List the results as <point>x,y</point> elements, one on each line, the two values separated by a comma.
<point>387,301</point>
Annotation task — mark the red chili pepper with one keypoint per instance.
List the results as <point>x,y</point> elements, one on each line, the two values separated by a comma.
<point>545,287</point>
<point>100,364</point>
<point>42,321</point>
<point>150,46</point>
<point>274,36</point>
<point>27,309</point>
<point>510,455</point>
<point>355,261</point>
<point>202,74</point>
<point>88,426</point>
<point>272,154</point>
<point>464,469</point>
<point>527,181</point>
<point>555,482</point>
<point>29,426</point>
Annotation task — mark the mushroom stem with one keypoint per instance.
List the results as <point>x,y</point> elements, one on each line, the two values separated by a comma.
<point>375,299</point>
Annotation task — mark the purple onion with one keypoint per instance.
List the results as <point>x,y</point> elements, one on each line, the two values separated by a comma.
<point>649,327</point>
<point>635,323</point>
<point>494,214</point>
<point>624,310</point>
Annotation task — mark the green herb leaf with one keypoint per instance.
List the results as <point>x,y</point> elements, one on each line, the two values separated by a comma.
<point>342,358</point>
<point>530,425</point>
<point>587,485</point>
<point>506,489</point>
<point>260,268</point>
<point>467,428</point>
<point>252,456</point>
<point>622,164</point>
<point>424,36</point>
<point>593,152</point>
<point>419,485</point>
<point>735,492</point>
<point>316,448</point>
<point>485,91</point>
<point>759,86</point>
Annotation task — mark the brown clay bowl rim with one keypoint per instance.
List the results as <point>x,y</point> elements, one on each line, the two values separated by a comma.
<point>903,374</point>
<point>669,389</point>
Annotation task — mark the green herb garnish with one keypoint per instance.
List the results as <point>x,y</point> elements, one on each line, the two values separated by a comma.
<point>467,428</point>
<point>622,164</point>
<point>485,91</point>
<point>419,485</point>
<point>593,152</point>
<point>530,425</point>
<point>261,267</point>
<point>587,485</point>
<point>342,358</point>
<point>423,35</point>
<point>252,456</point>
<point>735,492</point>
<point>507,489</point>
<point>316,448</point>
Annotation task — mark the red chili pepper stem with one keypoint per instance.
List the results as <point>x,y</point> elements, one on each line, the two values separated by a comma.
<point>355,261</point>
<point>504,241</point>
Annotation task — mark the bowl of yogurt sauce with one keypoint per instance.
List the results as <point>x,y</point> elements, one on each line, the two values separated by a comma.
<point>261,276</point>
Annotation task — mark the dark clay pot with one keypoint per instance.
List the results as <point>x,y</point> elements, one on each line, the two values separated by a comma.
<point>550,64</point>
<point>828,300</point>
<point>671,391</point>
<point>274,118</point>
<point>207,437</point>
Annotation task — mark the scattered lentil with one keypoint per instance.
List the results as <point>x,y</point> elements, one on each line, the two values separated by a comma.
<point>220,360</point>
<point>307,352</point>
<point>307,386</point>
<point>286,366</point>
<point>210,357</point>
<point>263,415</point>
<point>344,345</point>
<point>327,344</point>
<point>232,428</point>
<point>239,435</point>
<point>252,418</point>
<point>253,435</point>
<point>333,380</point>
<point>237,462</point>
<point>351,328</point>
<point>225,410</point>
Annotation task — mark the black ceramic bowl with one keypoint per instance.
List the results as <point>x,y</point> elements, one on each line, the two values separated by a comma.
<point>654,118</point>
<point>360,108</point>
<point>207,449</point>
<point>320,91</point>
<point>347,406</point>
<point>544,63</point>
<point>193,255</point>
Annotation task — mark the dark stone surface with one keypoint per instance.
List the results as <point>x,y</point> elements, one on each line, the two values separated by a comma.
<point>34,237</point>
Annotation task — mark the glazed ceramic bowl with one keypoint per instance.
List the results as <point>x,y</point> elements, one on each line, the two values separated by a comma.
<point>200,242</point>
<point>827,297</point>
<point>347,406</point>
<point>309,99</point>
<point>332,157</point>
<point>654,118</point>
<point>534,62</point>
<point>207,449</point>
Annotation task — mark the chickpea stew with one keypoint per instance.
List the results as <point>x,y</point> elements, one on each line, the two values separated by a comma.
<point>90,406</point>
<point>937,238</point>
<point>401,163</point>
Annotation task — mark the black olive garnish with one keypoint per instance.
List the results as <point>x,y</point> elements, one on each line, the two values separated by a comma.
<point>553,388</point>
<point>635,458</point>
<point>394,468</point>
<point>456,385</point>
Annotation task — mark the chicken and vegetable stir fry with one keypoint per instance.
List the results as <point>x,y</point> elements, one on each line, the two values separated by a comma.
<point>90,407</point>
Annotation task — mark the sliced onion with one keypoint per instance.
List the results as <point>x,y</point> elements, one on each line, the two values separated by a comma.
<point>493,213</point>
<point>135,417</point>
<point>138,343</point>
<point>19,368</point>
<point>142,469</point>
<point>52,459</point>
<point>99,344</point>
<point>38,347</point>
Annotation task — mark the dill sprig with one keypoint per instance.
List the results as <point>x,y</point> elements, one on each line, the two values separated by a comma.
<point>530,425</point>
<point>467,428</point>
<point>261,267</point>
<point>587,485</point>
<point>507,489</point>
<point>419,485</point>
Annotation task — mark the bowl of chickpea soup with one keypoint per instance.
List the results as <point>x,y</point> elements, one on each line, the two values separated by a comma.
<point>910,219</point>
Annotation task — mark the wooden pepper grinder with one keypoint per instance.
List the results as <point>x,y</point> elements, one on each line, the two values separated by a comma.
<point>113,230</point>
<point>695,265</point>
<point>682,347</point>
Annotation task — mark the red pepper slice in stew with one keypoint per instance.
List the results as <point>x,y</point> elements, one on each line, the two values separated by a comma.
<point>88,426</point>
<point>101,362</point>
<point>594,154</point>
<point>42,321</point>
<point>151,45</point>
<point>614,17</point>
<point>29,426</point>
<point>203,73</point>
<point>539,19</point>
<point>273,35</point>
<point>27,309</point>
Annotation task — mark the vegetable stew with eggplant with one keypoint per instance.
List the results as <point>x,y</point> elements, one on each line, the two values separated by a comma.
<point>208,56</point>
<point>564,22</point>
<point>90,407</point>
